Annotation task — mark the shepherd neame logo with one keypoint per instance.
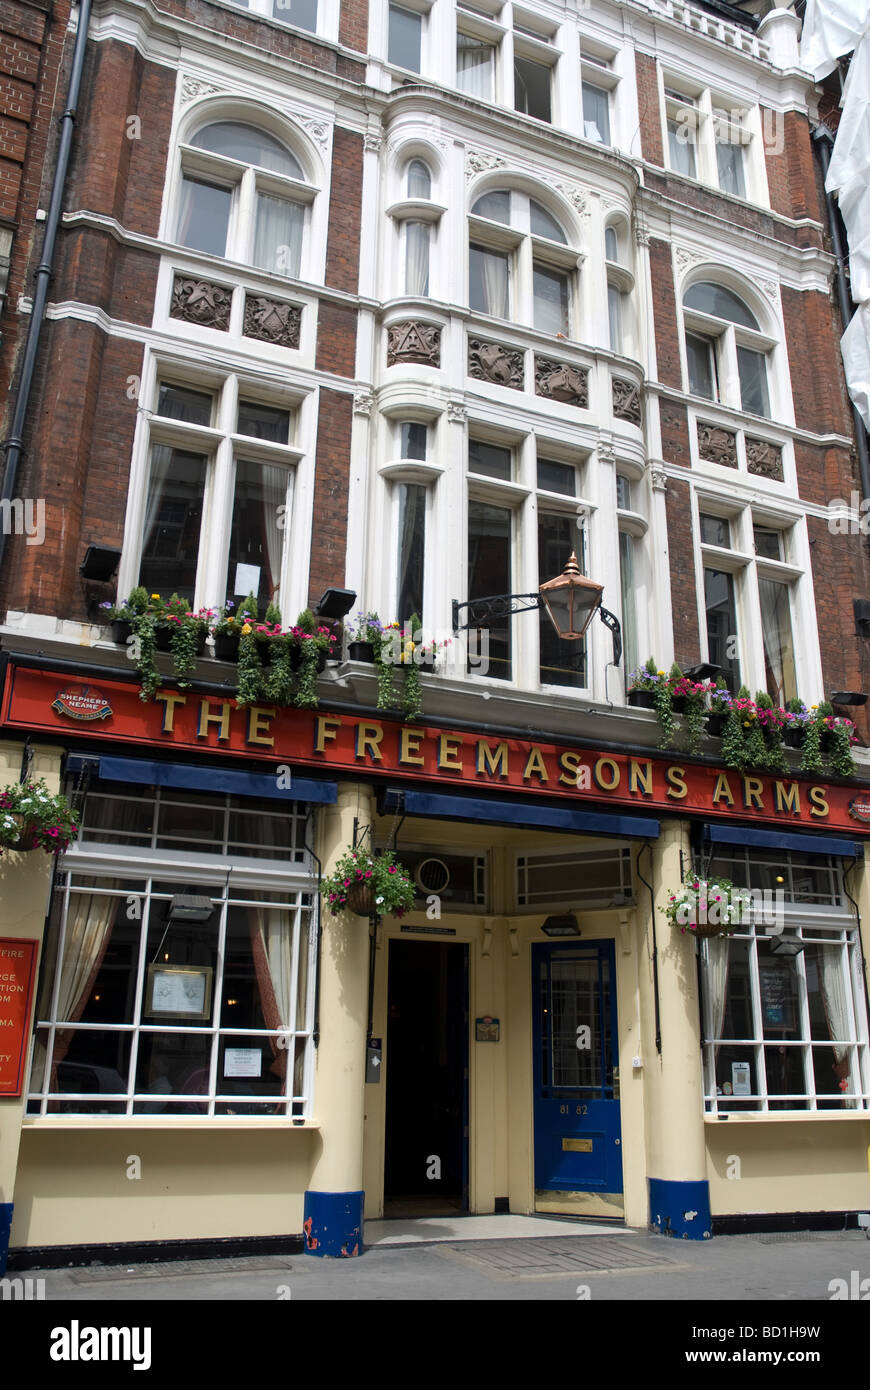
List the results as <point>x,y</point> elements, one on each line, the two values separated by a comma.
<point>76,1343</point>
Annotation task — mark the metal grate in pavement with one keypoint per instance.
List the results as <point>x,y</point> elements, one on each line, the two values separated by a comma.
<point>778,1237</point>
<point>170,1269</point>
<point>524,1259</point>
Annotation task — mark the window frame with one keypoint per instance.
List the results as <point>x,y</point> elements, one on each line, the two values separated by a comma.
<point>725,339</point>
<point>708,112</point>
<point>525,251</point>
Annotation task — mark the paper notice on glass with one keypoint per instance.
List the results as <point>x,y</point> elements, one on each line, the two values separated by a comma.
<point>740,1078</point>
<point>243,1061</point>
<point>247,580</point>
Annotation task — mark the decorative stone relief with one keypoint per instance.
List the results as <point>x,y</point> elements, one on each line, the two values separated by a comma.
<point>192,87</point>
<point>456,412</point>
<point>685,259</point>
<point>626,400</point>
<point>272,321</point>
<point>478,161</point>
<point>372,142</point>
<point>576,197</point>
<point>317,129</point>
<point>642,236</point>
<point>559,381</point>
<point>658,475</point>
<point>717,445</point>
<point>494,362</point>
<point>363,402</point>
<point>764,459</point>
<point>414,342</point>
<point>771,289</point>
<point>198,301</point>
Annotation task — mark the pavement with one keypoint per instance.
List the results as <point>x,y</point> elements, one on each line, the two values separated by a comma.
<point>498,1259</point>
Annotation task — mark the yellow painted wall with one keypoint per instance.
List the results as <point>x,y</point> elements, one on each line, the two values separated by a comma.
<point>794,1165</point>
<point>73,1186</point>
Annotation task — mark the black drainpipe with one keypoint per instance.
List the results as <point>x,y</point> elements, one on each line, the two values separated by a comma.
<point>824,141</point>
<point>15,441</point>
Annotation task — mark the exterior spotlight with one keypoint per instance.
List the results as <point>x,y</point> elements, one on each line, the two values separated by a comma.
<point>703,671</point>
<point>335,603</point>
<point>565,925</point>
<point>848,697</point>
<point>787,946</point>
<point>100,563</point>
<point>185,907</point>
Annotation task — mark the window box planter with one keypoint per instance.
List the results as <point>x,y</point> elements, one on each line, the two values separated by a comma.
<point>641,699</point>
<point>716,724</point>
<point>361,651</point>
<point>226,646</point>
<point>793,738</point>
<point>121,631</point>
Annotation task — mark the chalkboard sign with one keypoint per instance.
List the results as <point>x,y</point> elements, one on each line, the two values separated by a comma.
<point>778,996</point>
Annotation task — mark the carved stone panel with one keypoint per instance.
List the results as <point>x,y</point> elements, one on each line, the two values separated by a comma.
<point>626,400</point>
<point>198,301</point>
<point>414,342</point>
<point>272,321</point>
<point>495,362</point>
<point>764,459</point>
<point>559,381</point>
<point>717,445</point>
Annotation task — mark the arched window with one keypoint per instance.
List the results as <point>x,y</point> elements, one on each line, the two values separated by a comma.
<point>519,264</point>
<point>726,353</point>
<point>243,195</point>
<point>419,180</point>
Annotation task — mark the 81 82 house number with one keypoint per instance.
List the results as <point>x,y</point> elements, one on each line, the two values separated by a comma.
<point>578,1110</point>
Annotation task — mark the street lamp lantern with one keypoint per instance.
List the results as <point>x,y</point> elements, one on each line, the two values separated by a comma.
<point>571,601</point>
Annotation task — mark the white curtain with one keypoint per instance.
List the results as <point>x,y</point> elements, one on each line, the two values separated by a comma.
<point>495,284</point>
<point>161,459</point>
<point>88,927</point>
<point>833,988</point>
<point>274,496</point>
<point>717,986</point>
<point>416,258</point>
<point>474,67</point>
<point>278,239</point>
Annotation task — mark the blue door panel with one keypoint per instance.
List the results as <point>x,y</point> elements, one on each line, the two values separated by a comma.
<point>576,1093</point>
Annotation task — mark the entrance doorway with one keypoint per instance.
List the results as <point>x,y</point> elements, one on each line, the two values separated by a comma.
<point>578,1153</point>
<point>426,1160</point>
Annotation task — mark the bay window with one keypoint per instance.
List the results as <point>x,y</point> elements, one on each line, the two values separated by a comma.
<point>140,1014</point>
<point>218,502</point>
<point>726,352</point>
<point>785,1032</point>
<point>520,265</point>
<point>243,196</point>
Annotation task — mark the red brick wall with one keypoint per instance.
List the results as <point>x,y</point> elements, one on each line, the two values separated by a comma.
<point>845,657</point>
<point>342,246</point>
<point>679,191</point>
<point>22,30</point>
<point>665,314</point>
<point>792,172</point>
<point>675,433</point>
<point>112,173</point>
<point>353,24</point>
<point>274,38</point>
<point>649,109</point>
<point>336,339</point>
<point>331,481</point>
<point>812,342</point>
<point>79,464</point>
<point>681,552</point>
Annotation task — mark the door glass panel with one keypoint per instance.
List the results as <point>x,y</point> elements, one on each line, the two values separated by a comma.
<point>578,997</point>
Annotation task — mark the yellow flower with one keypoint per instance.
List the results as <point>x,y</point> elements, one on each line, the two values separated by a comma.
<point>246,629</point>
<point>230,620</point>
<point>155,595</point>
<point>661,673</point>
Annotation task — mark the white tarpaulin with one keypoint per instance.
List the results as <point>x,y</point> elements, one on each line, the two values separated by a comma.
<point>831,29</point>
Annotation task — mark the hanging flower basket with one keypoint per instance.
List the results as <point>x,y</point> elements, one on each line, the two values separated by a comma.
<point>642,699</point>
<point>361,651</point>
<point>226,646</point>
<point>707,909</point>
<point>361,898</point>
<point>32,818</point>
<point>368,884</point>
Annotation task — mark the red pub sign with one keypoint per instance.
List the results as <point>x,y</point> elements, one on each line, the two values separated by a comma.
<point>339,743</point>
<point>17,971</point>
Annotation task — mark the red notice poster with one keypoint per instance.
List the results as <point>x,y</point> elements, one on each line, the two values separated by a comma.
<point>17,970</point>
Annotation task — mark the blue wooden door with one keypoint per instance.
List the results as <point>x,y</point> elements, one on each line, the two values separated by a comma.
<point>576,1087</point>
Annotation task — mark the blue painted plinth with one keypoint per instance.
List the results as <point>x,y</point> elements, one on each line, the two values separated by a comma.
<point>680,1208</point>
<point>5,1228</point>
<point>333,1223</point>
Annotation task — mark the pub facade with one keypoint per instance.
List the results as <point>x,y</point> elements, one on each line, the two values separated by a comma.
<point>410,304</point>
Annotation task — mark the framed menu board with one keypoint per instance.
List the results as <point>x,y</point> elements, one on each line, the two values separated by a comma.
<point>17,973</point>
<point>778,996</point>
